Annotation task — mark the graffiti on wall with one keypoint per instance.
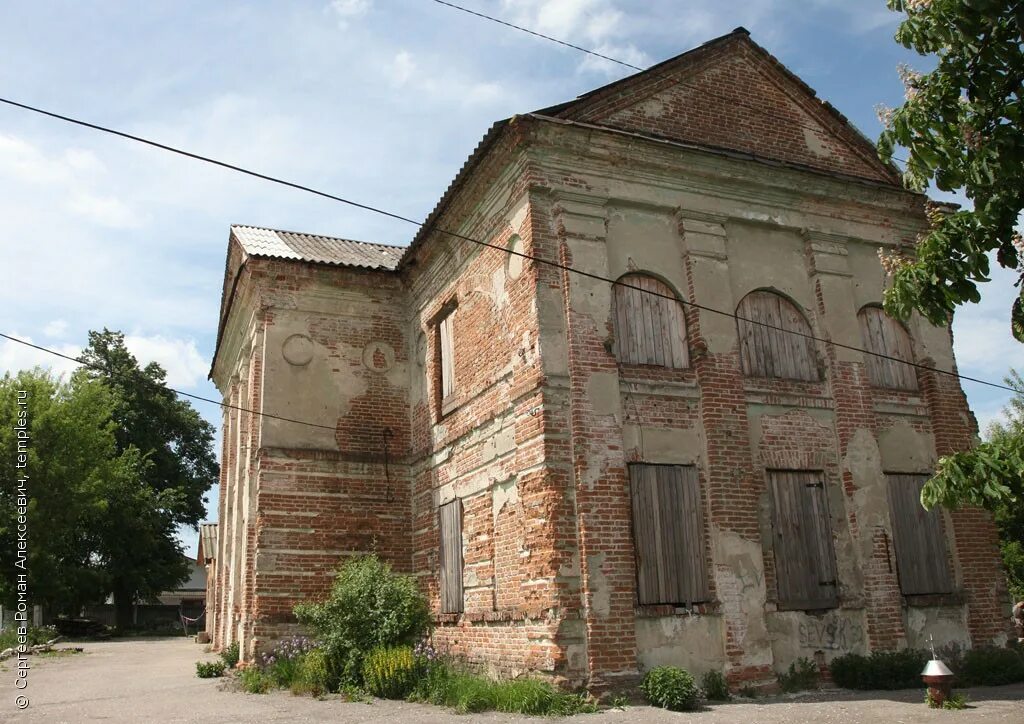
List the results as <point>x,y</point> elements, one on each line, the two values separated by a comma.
<point>831,634</point>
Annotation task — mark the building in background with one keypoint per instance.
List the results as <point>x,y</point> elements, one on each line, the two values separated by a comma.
<point>590,480</point>
<point>206,556</point>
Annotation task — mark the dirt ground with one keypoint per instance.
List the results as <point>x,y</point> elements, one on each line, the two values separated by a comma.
<point>153,680</point>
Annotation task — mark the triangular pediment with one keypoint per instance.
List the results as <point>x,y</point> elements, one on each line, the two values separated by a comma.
<point>731,94</point>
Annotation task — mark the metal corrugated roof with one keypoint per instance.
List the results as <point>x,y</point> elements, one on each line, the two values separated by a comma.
<point>207,542</point>
<point>317,249</point>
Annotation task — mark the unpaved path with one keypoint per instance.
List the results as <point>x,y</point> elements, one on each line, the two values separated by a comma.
<point>153,680</point>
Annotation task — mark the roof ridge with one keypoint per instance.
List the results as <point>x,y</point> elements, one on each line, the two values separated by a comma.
<point>320,236</point>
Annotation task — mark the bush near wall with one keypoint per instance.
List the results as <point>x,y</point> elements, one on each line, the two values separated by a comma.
<point>671,688</point>
<point>369,606</point>
<point>983,666</point>
<point>880,670</point>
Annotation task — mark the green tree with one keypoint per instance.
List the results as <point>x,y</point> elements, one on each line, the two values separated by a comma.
<point>992,476</point>
<point>141,552</point>
<point>961,126</point>
<point>72,457</point>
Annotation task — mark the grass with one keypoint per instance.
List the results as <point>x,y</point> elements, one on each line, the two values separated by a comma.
<point>59,653</point>
<point>454,686</point>
<point>35,636</point>
<point>255,681</point>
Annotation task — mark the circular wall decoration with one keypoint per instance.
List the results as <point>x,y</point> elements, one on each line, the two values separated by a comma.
<point>297,350</point>
<point>378,356</point>
<point>515,263</point>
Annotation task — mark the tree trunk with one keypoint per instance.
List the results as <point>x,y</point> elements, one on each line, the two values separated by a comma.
<point>123,602</point>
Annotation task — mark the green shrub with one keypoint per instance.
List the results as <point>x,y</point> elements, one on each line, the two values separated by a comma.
<point>313,675</point>
<point>801,676</point>
<point>954,702</point>
<point>450,684</point>
<point>34,636</point>
<point>671,688</point>
<point>230,655</point>
<point>209,669</point>
<point>714,686</point>
<point>255,681</point>
<point>391,672</point>
<point>990,666</point>
<point>881,670</point>
<point>282,662</point>
<point>368,607</point>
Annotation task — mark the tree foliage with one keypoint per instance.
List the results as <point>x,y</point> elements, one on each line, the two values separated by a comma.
<point>991,476</point>
<point>961,126</point>
<point>72,462</point>
<point>116,464</point>
<point>140,548</point>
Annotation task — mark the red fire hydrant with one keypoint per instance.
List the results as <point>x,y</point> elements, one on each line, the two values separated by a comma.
<point>939,679</point>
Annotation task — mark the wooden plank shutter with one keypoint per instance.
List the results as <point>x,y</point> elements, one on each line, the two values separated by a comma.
<point>805,569</point>
<point>447,339</point>
<point>884,335</point>
<point>649,329</point>
<point>450,524</point>
<point>921,560</point>
<point>770,332</point>
<point>668,534</point>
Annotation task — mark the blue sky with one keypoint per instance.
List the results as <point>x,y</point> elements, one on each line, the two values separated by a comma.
<point>377,100</point>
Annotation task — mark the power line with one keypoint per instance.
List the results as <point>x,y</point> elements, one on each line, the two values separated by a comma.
<point>736,102</point>
<point>151,383</point>
<point>456,235</point>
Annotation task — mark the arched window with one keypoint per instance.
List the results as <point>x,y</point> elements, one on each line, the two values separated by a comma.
<point>884,335</point>
<point>768,347</point>
<point>649,330</point>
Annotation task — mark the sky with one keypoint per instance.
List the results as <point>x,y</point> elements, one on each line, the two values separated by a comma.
<point>380,101</point>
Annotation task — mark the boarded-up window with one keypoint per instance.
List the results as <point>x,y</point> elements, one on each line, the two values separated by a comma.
<point>805,568</point>
<point>668,533</point>
<point>649,329</point>
<point>774,338</point>
<point>920,546</point>
<point>450,523</point>
<point>884,335</point>
<point>446,340</point>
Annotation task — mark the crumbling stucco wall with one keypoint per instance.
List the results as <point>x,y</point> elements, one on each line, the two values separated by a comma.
<point>714,233</point>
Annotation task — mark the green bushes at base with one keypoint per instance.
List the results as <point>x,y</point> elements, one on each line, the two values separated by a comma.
<point>671,688</point>
<point>391,672</point>
<point>313,676</point>
<point>714,686</point>
<point>452,685</point>
<point>801,676</point>
<point>983,666</point>
<point>881,670</point>
<point>369,606</point>
<point>230,655</point>
<point>255,681</point>
<point>990,666</point>
<point>209,669</point>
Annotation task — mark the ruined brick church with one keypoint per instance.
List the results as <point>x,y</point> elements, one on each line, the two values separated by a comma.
<point>590,480</point>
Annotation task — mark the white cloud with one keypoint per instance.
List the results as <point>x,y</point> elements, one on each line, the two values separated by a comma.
<point>15,356</point>
<point>56,328</point>
<point>104,210</point>
<point>75,172</point>
<point>346,10</point>
<point>597,23</point>
<point>402,68</point>
<point>179,357</point>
